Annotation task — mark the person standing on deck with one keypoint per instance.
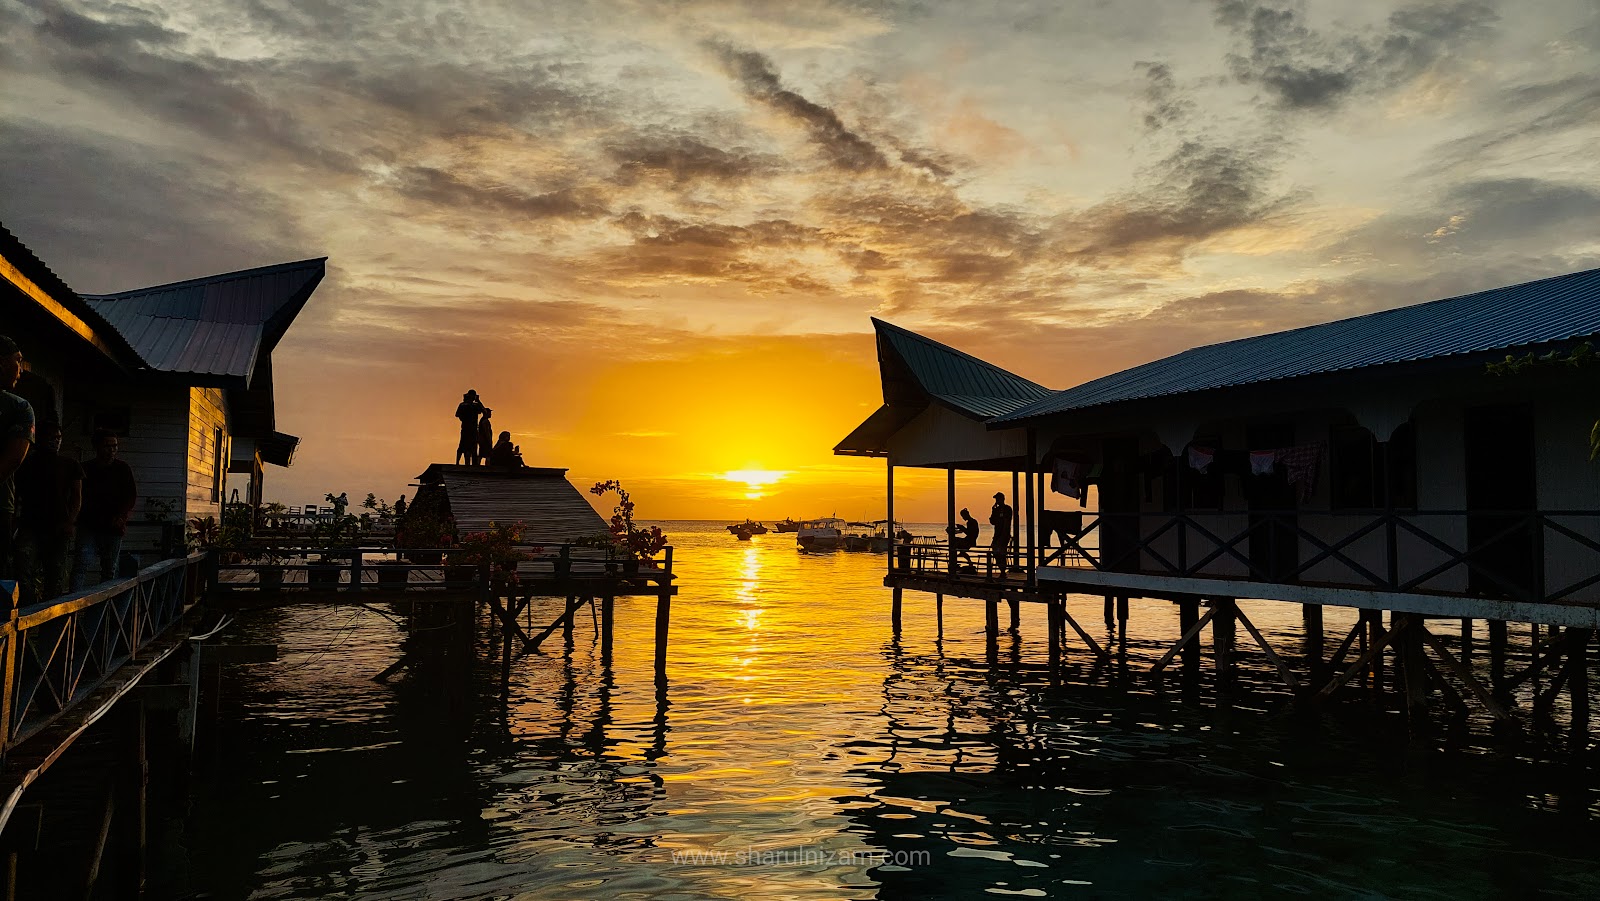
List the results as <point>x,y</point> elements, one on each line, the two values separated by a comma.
<point>1000,518</point>
<point>467,411</point>
<point>109,493</point>
<point>16,438</point>
<point>485,437</point>
<point>49,495</point>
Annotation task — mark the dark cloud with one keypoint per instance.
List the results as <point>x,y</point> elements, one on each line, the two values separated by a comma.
<point>109,215</point>
<point>1164,104</point>
<point>129,55</point>
<point>1200,190</point>
<point>448,189</point>
<point>684,159</point>
<point>1302,68</point>
<point>759,80</point>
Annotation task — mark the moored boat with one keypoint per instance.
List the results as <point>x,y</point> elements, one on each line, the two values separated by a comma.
<point>819,534</point>
<point>786,525</point>
<point>750,526</point>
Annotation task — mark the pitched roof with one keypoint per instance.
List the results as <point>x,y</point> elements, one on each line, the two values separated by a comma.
<point>1563,308</point>
<point>964,382</point>
<point>60,300</point>
<point>214,326</point>
<point>542,499</point>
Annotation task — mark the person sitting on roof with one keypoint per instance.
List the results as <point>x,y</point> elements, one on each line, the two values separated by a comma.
<point>485,437</point>
<point>505,453</point>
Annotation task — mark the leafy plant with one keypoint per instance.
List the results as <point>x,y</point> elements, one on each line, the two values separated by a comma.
<point>340,529</point>
<point>1580,357</point>
<point>158,509</point>
<point>640,543</point>
<point>204,533</point>
<point>497,546</point>
<point>427,523</point>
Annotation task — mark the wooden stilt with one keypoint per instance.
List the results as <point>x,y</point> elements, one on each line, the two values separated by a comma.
<point>894,612</point>
<point>1466,638</point>
<point>1311,618</point>
<point>1122,621</point>
<point>1111,617</point>
<point>1222,639</point>
<point>1484,696</point>
<point>1016,614</point>
<point>1412,665</point>
<point>938,612</point>
<point>1497,655</point>
<point>1088,640</point>
<point>1054,609</point>
<point>663,624</point>
<point>991,619</point>
<point>1283,668</point>
<point>1187,637</point>
<point>1374,649</point>
<point>1188,616</point>
<point>1578,682</point>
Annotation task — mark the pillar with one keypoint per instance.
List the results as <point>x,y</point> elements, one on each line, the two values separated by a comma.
<point>1222,639</point>
<point>894,615</point>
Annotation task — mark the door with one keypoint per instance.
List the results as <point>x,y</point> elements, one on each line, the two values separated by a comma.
<point>1502,536</point>
<point>1274,540</point>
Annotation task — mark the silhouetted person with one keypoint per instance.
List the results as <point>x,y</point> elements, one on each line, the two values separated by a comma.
<point>485,436</point>
<point>108,497</point>
<point>16,438</point>
<point>1000,517</point>
<point>505,453</point>
<point>400,507</point>
<point>964,537</point>
<point>49,495</point>
<point>468,411</point>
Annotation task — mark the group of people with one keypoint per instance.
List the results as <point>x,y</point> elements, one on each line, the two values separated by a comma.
<point>478,445</point>
<point>964,535</point>
<point>50,504</point>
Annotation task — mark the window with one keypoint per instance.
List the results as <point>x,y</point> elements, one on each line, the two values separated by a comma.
<point>1400,454</point>
<point>219,465</point>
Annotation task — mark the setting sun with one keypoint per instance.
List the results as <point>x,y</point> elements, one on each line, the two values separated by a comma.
<point>754,480</point>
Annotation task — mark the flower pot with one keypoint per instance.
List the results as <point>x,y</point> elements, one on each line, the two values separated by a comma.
<point>630,567</point>
<point>459,574</point>
<point>269,578</point>
<point>393,576</point>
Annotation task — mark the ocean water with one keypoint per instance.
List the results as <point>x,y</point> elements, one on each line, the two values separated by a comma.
<point>797,750</point>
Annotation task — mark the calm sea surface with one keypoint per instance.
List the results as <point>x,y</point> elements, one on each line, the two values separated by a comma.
<point>797,751</point>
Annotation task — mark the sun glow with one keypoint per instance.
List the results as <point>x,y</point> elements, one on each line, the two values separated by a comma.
<point>755,480</point>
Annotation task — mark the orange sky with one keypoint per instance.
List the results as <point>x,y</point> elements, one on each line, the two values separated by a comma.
<point>652,235</point>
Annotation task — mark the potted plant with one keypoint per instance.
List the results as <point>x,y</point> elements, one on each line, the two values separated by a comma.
<point>498,546</point>
<point>269,571</point>
<point>340,530</point>
<point>638,544</point>
<point>161,512</point>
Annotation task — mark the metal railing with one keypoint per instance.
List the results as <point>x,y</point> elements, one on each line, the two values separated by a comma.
<point>57,652</point>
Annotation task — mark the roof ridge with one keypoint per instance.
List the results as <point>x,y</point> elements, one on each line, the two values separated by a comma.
<point>960,354</point>
<point>307,263</point>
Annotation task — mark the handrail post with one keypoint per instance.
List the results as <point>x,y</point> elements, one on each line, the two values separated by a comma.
<point>564,564</point>
<point>8,675</point>
<point>669,560</point>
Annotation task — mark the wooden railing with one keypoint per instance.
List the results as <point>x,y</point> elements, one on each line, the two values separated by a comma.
<point>371,569</point>
<point>1361,549</point>
<point>57,652</point>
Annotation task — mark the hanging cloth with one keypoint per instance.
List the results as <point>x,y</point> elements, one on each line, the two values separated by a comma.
<point>1301,463</point>
<point>1262,462</point>
<point>1070,478</point>
<point>1200,458</point>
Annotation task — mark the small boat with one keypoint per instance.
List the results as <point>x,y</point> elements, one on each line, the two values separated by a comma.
<point>819,534</point>
<point>856,536</point>
<point>786,525</point>
<point>741,534</point>
<point>754,528</point>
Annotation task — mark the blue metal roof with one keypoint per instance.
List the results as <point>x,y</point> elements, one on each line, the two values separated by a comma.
<point>960,380</point>
<point>216,326</point>
<point>1563,308</point>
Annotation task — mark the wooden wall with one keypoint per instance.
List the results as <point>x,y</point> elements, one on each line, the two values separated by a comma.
<point>205,488</point>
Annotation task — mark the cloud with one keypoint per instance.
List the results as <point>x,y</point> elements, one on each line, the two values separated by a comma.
<point>449,189</point>
<point>1302,68</point>
<point>758,79</point>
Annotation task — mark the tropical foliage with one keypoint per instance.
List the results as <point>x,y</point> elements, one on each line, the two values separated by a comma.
<point>639,543</point>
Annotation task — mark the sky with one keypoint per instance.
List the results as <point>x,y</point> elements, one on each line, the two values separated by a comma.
<point>651,234</point>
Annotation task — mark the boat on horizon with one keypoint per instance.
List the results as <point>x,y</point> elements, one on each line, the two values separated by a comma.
<point>750,526</point>
<point>786,525</point>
